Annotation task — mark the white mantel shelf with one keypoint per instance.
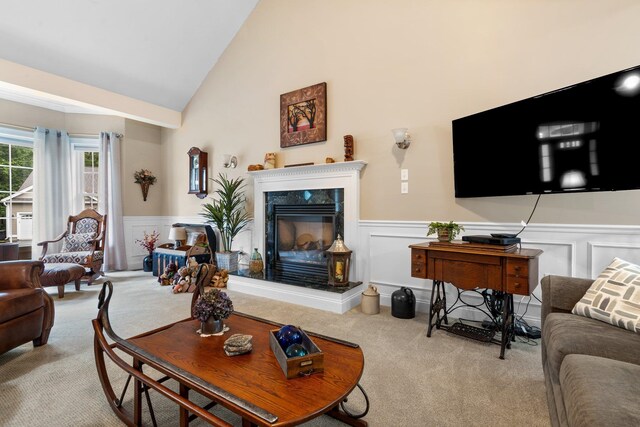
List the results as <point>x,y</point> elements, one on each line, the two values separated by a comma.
<point>354,165</point>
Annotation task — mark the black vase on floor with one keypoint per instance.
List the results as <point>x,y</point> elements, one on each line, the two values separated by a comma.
<point>147,263</point>
<point>403,304</point>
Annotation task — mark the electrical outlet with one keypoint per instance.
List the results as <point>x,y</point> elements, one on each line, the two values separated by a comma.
<point>404,187</point>
<point>404,174</point>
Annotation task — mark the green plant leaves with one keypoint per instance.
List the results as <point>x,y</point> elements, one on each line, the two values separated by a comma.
<point>227,211</point>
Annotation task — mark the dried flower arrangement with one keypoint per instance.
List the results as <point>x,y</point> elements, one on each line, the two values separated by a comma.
<point>149,241</point>
<point>144,176</point>
<point>213,303</point>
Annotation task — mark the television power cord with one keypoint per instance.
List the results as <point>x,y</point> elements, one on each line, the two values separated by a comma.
<point>524,224</point>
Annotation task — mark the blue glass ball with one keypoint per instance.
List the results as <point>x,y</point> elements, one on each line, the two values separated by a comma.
<point>288,335</point>
<point>296,350</point>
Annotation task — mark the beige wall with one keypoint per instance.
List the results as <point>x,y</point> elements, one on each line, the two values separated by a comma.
<point>17,114</point>
<point>141,150</point>
<point>140,146</point>
<point>405,63</point>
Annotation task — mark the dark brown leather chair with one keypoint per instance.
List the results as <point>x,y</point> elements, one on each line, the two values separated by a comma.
<point>26,310</point>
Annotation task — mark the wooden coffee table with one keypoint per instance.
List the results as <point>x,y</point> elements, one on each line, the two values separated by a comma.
<point>251,385</point>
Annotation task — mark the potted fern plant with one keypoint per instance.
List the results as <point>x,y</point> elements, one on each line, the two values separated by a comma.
<point>446,231</point>
<point>227,211</point>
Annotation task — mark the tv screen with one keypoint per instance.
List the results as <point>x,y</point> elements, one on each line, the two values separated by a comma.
<point>584,137</point>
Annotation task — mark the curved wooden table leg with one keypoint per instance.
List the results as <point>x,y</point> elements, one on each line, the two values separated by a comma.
<point>336,413</point>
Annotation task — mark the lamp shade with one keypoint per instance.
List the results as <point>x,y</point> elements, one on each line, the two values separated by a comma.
<point>178,233</point>
<point>399,134</point>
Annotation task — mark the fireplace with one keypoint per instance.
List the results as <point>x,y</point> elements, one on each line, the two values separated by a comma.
<point>300,226</point>
<point>329,196</point>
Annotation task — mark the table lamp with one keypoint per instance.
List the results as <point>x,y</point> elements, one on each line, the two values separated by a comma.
<point>179,235</point>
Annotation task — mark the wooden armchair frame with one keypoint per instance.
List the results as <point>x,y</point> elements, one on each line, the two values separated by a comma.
<point>94,266</point>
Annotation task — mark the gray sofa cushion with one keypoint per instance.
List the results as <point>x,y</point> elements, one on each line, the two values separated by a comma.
<point>570,334</point>
<point>599,391</point>
<point>564,334</point>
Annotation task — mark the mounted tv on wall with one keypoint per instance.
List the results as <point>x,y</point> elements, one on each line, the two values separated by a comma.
<point>584,137</point>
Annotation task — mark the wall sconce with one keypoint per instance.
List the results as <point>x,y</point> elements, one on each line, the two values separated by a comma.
<point>402,137</point>
<point>178,235</point>
<point>230,161</point>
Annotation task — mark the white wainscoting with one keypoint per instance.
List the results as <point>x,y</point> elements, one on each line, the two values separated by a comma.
<point>569,250</point>
<point>384,259</point>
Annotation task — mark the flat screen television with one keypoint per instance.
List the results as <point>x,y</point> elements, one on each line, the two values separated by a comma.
<point>584,137</point>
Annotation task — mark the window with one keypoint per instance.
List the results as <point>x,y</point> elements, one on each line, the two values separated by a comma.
<point>16,184</point>
<point>16,180</point>
<point>86,169</point>
<point>90,179</point>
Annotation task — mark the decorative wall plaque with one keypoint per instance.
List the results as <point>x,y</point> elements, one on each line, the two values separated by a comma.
<point>303,116</point>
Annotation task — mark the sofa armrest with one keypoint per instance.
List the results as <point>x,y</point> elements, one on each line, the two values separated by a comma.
<point>20,274</point>
<point>561,293</point>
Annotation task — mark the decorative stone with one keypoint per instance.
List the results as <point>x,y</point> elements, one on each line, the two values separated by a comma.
<point>238,344</point>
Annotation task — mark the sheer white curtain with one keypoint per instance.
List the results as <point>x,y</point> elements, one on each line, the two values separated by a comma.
<point>53,189</point>
<point>110,201</point>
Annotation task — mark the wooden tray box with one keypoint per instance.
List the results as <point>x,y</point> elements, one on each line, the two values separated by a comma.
<point>294,367</point>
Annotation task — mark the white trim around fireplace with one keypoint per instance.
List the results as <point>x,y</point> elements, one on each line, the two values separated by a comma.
<point>345,175</point>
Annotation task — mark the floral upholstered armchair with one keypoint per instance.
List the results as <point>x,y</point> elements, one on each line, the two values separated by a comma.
<point>82,243</point>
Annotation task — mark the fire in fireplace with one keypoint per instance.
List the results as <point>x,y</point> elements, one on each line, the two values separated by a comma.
<point>300,226</point>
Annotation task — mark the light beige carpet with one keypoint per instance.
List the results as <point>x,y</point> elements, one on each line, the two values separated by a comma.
<point>411,380</point>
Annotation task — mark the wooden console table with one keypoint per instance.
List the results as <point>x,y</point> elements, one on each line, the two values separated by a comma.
<point>469,266</point>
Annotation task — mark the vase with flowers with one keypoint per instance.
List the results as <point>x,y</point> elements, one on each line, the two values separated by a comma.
<point>211,308</point>
<point>145,178</point>
<point>149,243</point>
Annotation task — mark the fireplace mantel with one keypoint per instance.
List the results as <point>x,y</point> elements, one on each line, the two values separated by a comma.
<point>345,175</point>
<point>300,171</point>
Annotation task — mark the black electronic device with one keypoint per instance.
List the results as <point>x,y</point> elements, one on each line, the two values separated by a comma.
<point>504,241</point>
<point>504,235</point>
<point>580,138</point>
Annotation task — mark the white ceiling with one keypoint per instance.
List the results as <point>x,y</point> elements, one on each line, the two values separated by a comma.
<point>158,51</point>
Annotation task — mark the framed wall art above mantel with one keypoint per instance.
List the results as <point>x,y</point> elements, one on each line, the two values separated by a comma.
<point>303,116</point>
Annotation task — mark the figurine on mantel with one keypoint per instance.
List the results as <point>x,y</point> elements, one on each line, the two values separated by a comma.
<point>348,148</point>
<point>270,160</point>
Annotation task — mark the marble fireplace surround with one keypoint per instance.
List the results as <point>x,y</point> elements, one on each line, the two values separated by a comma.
<point>345,175</point>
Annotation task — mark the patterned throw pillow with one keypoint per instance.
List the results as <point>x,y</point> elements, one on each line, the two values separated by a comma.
<point>78,242</point>
<point>614,297</point>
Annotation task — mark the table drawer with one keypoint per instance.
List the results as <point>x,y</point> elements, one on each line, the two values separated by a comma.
<point>518,285</point>
<point>418,263</point>
<point>518,268</point>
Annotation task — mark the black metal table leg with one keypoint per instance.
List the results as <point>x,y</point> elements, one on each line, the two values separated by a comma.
<point>431,308</point>
<point>507,323</point>
<point>438,303</point>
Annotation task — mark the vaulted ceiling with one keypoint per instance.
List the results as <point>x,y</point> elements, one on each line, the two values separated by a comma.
<point>157,51</point>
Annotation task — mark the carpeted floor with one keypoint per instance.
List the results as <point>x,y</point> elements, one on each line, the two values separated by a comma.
<point>411,380</point>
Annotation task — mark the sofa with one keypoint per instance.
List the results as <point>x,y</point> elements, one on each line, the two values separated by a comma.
<point>591,368</point>
<point>26,310</point>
